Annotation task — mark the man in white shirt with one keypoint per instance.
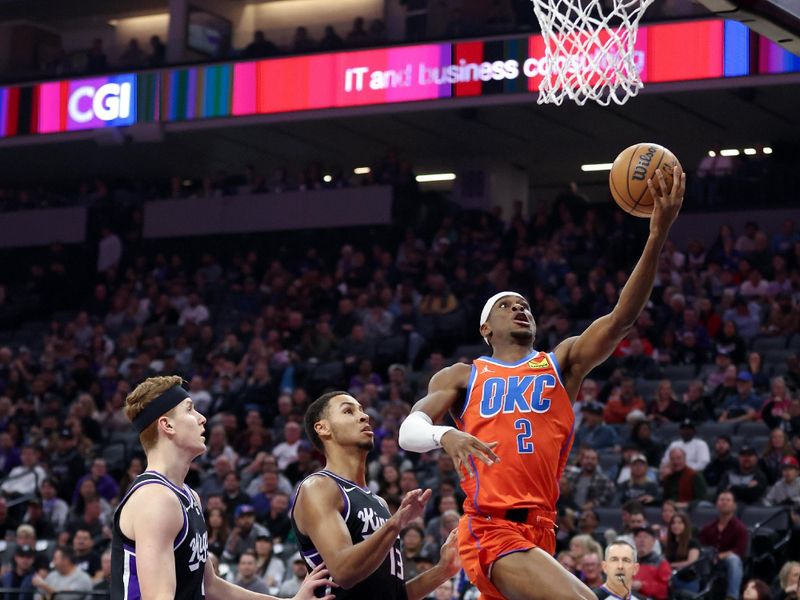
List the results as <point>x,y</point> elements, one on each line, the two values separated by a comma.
<point>286,452</point>
<point>697,452</point>
<point>24,479</point>
<point>109,250</point>
<point>194,311</point>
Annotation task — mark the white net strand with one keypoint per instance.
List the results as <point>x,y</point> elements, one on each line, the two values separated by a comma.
<point>589,50</point>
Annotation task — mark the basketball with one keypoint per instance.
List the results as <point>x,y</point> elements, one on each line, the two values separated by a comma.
<point>630,172</point>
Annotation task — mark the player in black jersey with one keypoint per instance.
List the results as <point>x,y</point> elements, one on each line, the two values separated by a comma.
<point>160,544</point>
<point>338,520</point>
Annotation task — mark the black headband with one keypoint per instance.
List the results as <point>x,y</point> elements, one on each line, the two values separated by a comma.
<point>164,403</point>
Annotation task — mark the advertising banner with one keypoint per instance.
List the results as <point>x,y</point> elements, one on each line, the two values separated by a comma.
<point>673,52</point>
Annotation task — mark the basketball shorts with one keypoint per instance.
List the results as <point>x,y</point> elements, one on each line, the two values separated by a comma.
<point>484,540</point>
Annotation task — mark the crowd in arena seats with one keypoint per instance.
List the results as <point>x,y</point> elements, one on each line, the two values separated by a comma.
<point>391,169</point>
<point>686,439</point>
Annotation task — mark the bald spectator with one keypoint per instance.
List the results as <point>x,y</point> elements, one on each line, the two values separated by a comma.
<point>681,484</point>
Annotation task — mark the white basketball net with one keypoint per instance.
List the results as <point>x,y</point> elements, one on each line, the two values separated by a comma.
<point>589,49</point>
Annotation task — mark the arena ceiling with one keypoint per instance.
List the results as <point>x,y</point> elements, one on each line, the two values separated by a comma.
<point>549,142</point>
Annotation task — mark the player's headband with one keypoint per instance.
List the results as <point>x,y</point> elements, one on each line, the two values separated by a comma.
<point>487,308</point>
<point>164,403</point>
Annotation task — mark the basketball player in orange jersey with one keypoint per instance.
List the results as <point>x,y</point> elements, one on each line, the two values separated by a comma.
<point>515,427</point>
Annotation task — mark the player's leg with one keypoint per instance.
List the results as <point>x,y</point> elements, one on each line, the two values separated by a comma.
<point>535,575</point>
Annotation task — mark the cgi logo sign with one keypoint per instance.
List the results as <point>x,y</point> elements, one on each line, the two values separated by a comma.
<point>101,102</point>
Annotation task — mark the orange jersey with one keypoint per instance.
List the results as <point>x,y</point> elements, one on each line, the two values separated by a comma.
<point>525,408</point>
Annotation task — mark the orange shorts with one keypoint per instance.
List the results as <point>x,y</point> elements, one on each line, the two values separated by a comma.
<point>484,540</point>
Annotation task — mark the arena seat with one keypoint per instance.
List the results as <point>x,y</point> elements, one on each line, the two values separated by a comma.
<point>328,374</point>
<point>674,372</point>
<point>647,388</point>
<point>116,455</point>
<point>668,432</point>
<point>703,515</point>
<point>774,517</point>
<point>652,514</point>
<point>609,460</point>
<point>777,357</point>
<point>752,429</point>
<point>770,531</point>
<point>710,430</point>
<point>765,344</point>
<point>391,349</point>
<point>609,518</point>
<point>681,386</point>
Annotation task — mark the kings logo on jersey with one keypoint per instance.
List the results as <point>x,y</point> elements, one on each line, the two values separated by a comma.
<point>372,522</point>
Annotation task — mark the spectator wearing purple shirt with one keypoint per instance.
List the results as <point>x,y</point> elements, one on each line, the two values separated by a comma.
<point>106,486</point>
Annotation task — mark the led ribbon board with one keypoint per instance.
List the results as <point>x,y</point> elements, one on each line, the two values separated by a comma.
<point>694,50</point>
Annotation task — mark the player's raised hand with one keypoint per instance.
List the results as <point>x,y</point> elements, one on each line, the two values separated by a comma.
<point>449,560</point>
<point>668,202</point>
<point>314,580</point>
<point>412,506</point>
<point>461,447</point>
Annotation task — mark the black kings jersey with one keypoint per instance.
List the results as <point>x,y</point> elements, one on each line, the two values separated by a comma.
<point>191,547</point>
<point>363,513</point>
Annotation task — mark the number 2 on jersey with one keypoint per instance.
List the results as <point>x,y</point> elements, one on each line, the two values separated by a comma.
<point>524,442</point>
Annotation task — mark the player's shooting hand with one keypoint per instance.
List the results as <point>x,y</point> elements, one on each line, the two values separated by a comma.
<point>461,447</point>
<point>412,507</point>
<point>667,202</point>
<point>314,580</point>
<point>449,560</point>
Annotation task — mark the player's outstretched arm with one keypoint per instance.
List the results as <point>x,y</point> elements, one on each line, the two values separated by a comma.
<point>219,589</point>
<point>317,515</point>
<point>449,564</point>
<point>419,434</point>
<point>155,519</point>
<point>579,355</point>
